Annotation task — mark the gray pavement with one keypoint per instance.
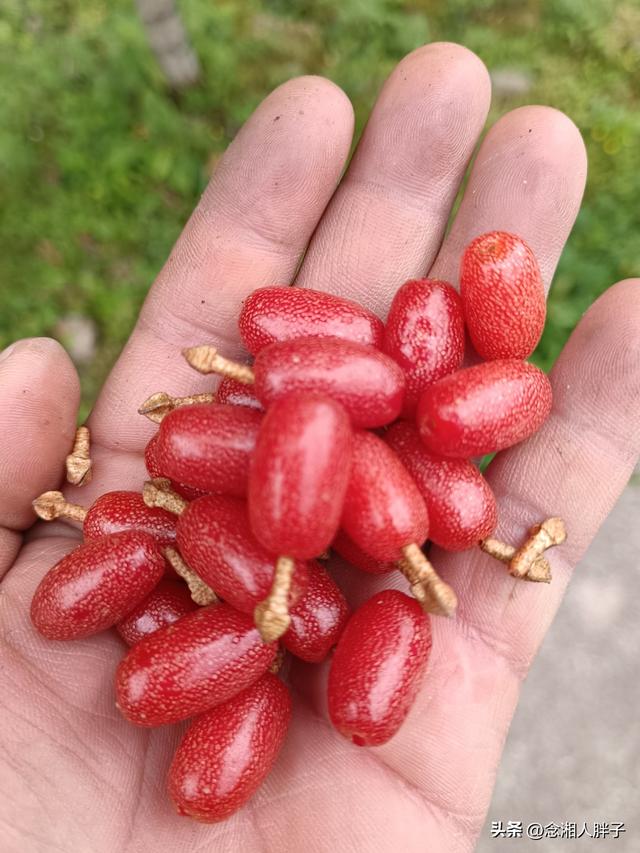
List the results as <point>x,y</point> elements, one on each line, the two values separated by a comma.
<point>573,752</point>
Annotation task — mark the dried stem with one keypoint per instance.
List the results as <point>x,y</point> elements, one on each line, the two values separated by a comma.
<point>78,463</point>
<point>427,586</point>
<point>157,406</point>
<point>272,615</point>
<point>206,359</point>
<point>539,571</point>
<point>550,532</point>
<point>278,660</point>
<point>51,505</point>
<point>159,493</point>
<point>201,592</point>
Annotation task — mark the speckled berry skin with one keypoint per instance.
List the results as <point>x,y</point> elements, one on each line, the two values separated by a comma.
<point>153,467</point>
<point>226,753</point>
<point>368,383</point>
<point>383,509</point>
<point>285,313</point>
<point>114,512</point>
<point>353,554</point>
<point>191,666</point>
<point>502,295</point>
<point>318,619</point>
<point>377,668</point>
<point>96,584</point>
<point>483,408</point>
<point>234,393</point>
<point>299,474</point>
<point>424,334</point>
<point>462,508</point>
<point>215,539</point>
<point>208,446</point>
<point>164,605</point>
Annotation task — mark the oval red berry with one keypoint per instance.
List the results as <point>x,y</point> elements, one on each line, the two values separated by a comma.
<point>167,603</point>
<point>114,512</point>
<point>234,393</point>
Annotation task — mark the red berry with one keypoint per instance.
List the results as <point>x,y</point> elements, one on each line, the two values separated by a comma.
<point>366,382</point>
<point>425,334</point>
<point>235,393</point>
<point>163,606</point>
<point>96,584</point>
<point>215,539</point>
<point>195,664</point>
<point>377,668</point>
<point>318,619</point>
<point>484,408</point>
<point>502,295</point>
<point>114,512</point>
<point>462,507</point>
<point>383,509</point>
<point>208,446</point>
<point>285,313</point>
<point>299,474</point>
<point>225,754</point>
<point>353,554</point>
<point>153,467</point>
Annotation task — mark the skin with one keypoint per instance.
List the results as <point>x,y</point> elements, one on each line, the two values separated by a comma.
<point>75,775</point>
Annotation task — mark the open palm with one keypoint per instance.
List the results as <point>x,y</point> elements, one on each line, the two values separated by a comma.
<point>74,775</point>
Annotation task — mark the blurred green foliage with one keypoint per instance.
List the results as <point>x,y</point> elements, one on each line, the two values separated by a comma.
<point>100,165</point>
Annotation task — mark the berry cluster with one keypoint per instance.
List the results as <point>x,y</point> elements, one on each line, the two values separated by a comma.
<point>346,435</point>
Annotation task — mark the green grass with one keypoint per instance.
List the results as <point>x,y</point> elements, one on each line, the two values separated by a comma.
<point>100,166</point>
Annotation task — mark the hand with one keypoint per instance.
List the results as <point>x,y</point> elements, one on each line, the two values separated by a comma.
<point>74,774</point>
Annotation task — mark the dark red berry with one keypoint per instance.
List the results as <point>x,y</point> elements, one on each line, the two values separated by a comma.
<point>163,606</point>
<point>484,408</point>
<point>114,512</point>
<point>227,752</point>
<point>502,295</point>
<point>377,668</point>
<point>298,475</point>
<point>353,554</point>
<point>153,467</point>
<point>200,661</point>
<point>96,584</point>
<point>235,393</point>
<point>285,313</point>
<point>424,333</point>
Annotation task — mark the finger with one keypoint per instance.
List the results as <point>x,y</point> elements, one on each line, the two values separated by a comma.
<point>40,394</point>
<point>528,178</point>
<point>386,220</point>
<point>249,229</point>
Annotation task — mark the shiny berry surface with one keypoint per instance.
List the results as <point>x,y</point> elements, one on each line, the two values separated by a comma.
<point>424,334</point>
<point>299,474</point>
<point>286,313</point>
<point>234,393</point>
<point>114,512</point>
<point>208,446</point>
<point>461,506</point>
<point>215,539</point>
<point>377,668</point>
<point>195,664</point>
<point>368,383</point>
<point>353,554</point>
<point>153,467</point>
<point>318,619</point>
<point>163,606</point>
<point>502,295</point>
<point>227,752</point>
<point>96,584</point>
<point>484,408</point>
<point>383,509</point>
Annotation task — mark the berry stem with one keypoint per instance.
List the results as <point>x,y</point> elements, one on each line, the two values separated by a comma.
<point>206,359</point>
<point>158,493</point>
<point>434,595</point>
<point>51,505</point>
<point>272,615</point>
<point>539,570</point>
<point>278,660</point>
<point>158,405</point>
<point>201,592</point>
<point>550,532</point>
<point>78,463</point>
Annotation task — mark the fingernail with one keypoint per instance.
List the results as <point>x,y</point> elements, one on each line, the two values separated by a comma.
<point>7,352</point>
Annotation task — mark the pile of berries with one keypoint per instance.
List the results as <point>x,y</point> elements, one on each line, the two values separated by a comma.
<point>344,435</point>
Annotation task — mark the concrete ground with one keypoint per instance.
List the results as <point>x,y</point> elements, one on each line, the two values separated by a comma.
<point>573,752</point>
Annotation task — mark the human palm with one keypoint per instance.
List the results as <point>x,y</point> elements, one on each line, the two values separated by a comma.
<point>74,775</point>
